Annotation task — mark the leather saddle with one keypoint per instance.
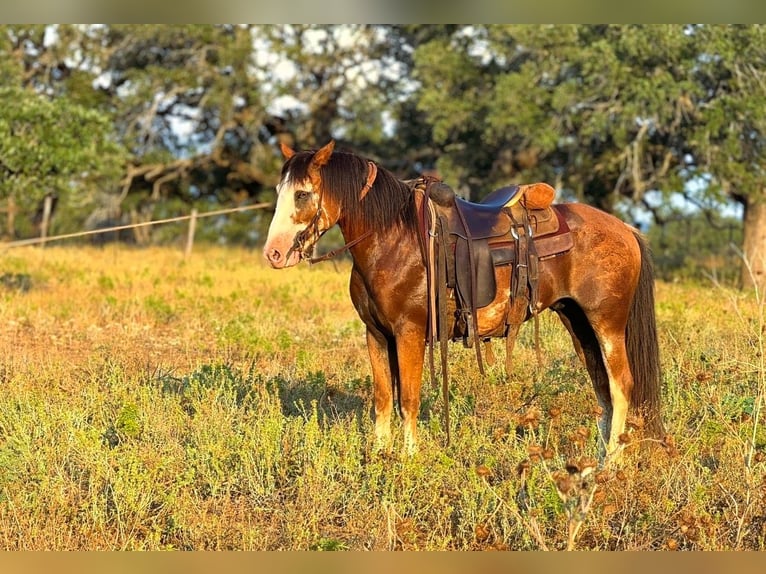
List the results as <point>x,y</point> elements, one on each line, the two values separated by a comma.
<point>509,222</point>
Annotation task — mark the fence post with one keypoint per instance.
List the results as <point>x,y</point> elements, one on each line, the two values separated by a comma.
<point>47,207</point>
<point>190,234</point>
<point>10,212</point>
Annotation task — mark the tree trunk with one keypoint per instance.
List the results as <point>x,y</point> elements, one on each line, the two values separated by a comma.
<point>754,245</point>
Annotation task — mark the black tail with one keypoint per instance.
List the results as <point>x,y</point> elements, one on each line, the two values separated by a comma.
<point>643,347</point>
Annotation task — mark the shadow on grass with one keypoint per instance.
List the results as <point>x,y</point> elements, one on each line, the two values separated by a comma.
<point>296,397</point>
<point>332,402</point>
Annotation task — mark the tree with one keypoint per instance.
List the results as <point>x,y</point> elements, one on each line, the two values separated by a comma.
<point>197,106</point>
<point>53,146</point>
<point>606,113</point>
<point>182,98</point>
<point>729,140</point>
<point>589,108</point>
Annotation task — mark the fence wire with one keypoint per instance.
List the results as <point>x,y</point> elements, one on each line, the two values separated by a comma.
<point>195,215</point>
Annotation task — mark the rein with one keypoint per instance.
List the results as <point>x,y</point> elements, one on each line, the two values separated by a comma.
<point>339,250</point>
<point>434,251</point>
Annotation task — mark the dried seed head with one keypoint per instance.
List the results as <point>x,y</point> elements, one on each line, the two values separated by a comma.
<point>624,438</point>
<point>599,496</point>
<point>564,483</point>
<point>523,466</point>
<point>587,463</point>
<point>598,410</point>
<point>481,532</point>
<point>572,466</point>
<point>548,454</point>
<point>692,533</point>
<point>535,452</point>
<point>554,412</point>
<point>603,476</point>
<point>687,519</point>
<point>635,422</point>
<point>671,544</point>
<point>531,417</point>
<point>483,470</point>
<point>621,476</point>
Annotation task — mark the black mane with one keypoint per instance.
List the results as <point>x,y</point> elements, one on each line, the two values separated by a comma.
<point>389,203</point>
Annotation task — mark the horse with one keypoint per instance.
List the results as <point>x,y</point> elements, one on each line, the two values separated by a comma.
<point>602,289</point>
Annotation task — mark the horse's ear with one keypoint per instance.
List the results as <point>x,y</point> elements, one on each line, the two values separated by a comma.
<point>323,155</point>
<point>287,151</point>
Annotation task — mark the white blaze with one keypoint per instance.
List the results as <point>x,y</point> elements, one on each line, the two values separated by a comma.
<point>283,228</point>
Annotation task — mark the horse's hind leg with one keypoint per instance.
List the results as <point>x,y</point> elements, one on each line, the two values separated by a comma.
<point>588,348</point>
<point>620,382</point>
<point>609,368</point>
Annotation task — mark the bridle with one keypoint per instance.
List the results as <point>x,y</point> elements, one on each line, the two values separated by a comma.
<point>311,231</point>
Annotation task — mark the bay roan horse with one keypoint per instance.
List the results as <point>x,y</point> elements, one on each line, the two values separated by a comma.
<point>602,288</point>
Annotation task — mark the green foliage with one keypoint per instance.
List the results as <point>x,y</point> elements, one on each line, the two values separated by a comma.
<point>159,308</point>
<point>129,421</point>
<point>181,99</point>
<point>606,110</point>
<point>692,248</point>
<point>54,146</point>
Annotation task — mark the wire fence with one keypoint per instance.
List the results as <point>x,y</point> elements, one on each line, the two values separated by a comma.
<point>192,218</point>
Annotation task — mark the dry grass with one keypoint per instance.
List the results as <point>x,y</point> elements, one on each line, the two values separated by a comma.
<point>155,403</point>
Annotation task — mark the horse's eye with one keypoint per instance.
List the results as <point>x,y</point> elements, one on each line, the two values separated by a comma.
<point>302,196</point>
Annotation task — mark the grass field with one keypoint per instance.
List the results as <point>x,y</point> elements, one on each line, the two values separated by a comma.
<point>152,402</point>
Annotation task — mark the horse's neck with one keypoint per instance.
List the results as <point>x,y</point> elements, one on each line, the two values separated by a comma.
<point>394,244</point>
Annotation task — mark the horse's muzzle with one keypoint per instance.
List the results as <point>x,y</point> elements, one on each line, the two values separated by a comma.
<point>279,255</point>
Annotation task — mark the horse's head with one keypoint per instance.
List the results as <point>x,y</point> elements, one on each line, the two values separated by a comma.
<point>302,212</point>
<point>315,190</point>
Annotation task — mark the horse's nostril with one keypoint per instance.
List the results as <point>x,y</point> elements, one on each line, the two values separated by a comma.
<point>274,255</point>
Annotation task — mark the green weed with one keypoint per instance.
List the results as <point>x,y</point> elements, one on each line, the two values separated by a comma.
<point>213,403</point>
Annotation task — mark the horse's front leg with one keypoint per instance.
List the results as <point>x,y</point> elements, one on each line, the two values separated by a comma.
<point>410,350</point>
<point>384,377</point>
